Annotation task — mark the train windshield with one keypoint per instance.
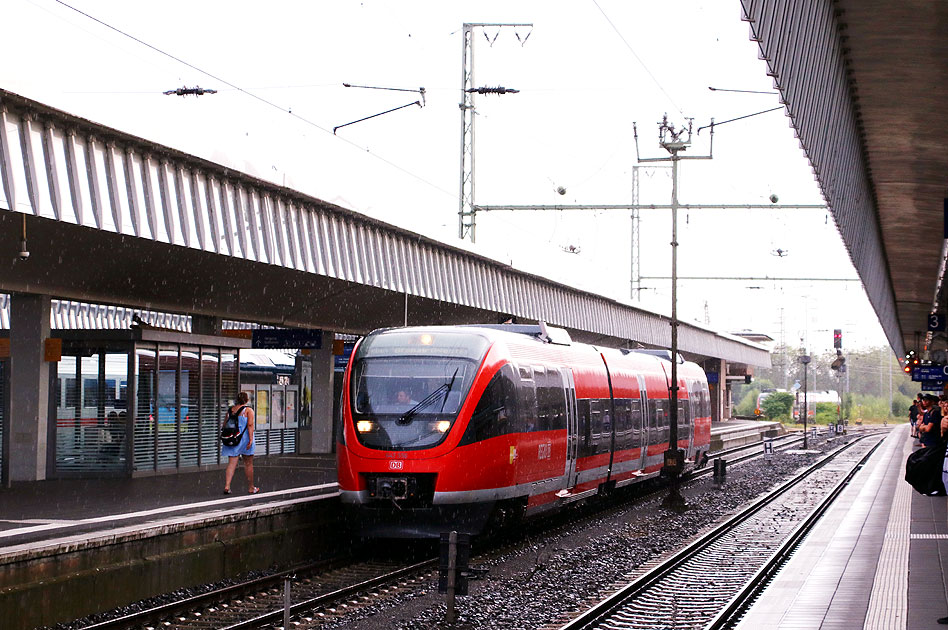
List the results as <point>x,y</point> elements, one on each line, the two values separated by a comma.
<point>407,387</point>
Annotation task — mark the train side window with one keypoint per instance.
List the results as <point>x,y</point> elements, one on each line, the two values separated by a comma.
<point>544,399</point>
<point>496,411</point>
<point>635,419</point>
<point>557,400</point>
<point>527,398</point>
<point>595,426</point>
<point>585,433</point>
<point>623,428</point>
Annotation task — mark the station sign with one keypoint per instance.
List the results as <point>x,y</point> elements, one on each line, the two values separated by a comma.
<point>713,377</point>
<point>279,338</point>
<point>930,373</point>
<point>933,386</point>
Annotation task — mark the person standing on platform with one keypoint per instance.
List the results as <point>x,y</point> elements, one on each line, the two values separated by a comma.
<point>245,424</point>
<point>914,410</point>
<point>929,421</point>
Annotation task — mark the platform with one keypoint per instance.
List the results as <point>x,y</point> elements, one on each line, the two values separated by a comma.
<point>876,559</point>
<point>40,511</point>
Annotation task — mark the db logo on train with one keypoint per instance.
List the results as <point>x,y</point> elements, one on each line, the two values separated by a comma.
<point>396,464</point>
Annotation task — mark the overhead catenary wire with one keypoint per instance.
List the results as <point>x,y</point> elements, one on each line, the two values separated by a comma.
<point>257,97</point>
<point>639,59</point>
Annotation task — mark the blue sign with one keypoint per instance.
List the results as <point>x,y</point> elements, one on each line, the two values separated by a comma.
<point>287,338</point>
<point>933,386</point>
<point>936,322</point>
<point>930,373</point>
<point>712,377</point>
<point>342,360</point>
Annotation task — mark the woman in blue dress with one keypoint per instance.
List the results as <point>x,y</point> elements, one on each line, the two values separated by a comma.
<point>245,424</point>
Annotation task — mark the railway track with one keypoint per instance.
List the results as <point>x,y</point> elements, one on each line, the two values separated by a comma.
<point>705,584</point>
<point>325,590</point>
<point>319,590</point>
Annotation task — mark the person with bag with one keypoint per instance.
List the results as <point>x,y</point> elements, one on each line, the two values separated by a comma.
<point>242,446</point>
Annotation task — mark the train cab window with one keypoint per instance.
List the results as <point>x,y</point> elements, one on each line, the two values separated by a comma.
<point>496,411</point>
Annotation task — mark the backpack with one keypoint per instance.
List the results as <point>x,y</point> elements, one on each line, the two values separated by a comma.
<point>923,469</point>
<point>230,433</point>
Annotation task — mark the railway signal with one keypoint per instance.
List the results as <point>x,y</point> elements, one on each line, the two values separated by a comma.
<point>837,338</point>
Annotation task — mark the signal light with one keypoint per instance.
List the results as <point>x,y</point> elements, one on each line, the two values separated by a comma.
<point>837,338</point>
<point>907,369</point>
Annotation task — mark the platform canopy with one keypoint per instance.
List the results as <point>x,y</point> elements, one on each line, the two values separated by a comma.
<point>864,87</point>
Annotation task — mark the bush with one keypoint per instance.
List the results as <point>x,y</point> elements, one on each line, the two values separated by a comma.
<point>825,413</point>
<point>748,403</point>
<point>777,406</point>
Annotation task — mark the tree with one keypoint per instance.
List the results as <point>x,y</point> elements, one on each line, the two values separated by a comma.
<point>777,406</point>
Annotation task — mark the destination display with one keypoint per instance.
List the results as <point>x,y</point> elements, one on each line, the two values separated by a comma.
<point>278,338</point>
<point>930,373</point>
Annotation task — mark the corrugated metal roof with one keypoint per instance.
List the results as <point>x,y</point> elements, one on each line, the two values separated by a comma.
<point>73,171</point>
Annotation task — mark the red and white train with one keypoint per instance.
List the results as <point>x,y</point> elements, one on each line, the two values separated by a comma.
<point>453,427</point>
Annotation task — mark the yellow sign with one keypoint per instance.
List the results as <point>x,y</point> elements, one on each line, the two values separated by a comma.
<point>513,454</point>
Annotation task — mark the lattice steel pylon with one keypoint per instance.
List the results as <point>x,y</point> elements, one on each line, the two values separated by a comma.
<point>467,220</point>
<point>636,278</point>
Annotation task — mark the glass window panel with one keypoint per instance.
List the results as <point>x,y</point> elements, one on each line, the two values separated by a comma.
<point>211,415</point>
<point>292,410</point>
<point>68,411</point>
<point>167,407</point>
<point>189,415</point>
<point>112,449</point>
<point>277,409</point>
<point>144,432</point>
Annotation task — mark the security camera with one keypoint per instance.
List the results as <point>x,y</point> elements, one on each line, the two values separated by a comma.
<point>23,255</point>
<point>774,199</point>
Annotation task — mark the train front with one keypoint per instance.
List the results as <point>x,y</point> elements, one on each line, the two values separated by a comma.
<point>402,403</point>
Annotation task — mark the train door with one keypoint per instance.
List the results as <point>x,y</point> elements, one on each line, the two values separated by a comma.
<point>572,428</point>
<point>643,422</point>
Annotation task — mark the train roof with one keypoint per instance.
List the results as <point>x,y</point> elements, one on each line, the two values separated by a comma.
<point>540,333</point>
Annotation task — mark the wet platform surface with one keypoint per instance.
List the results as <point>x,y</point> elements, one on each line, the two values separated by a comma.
<point>31,512</point>
<point>876,559</point>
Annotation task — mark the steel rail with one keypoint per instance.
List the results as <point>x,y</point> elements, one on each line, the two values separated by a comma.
<point>227,592</point>
<point>611,604</point>
<point>321,601</point>
<point>759,580</point>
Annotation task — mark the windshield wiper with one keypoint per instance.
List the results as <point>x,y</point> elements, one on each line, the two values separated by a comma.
<point>442,390</point>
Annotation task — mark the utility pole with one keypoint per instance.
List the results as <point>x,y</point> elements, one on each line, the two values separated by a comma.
<point>674,141</point>
<point>805,360</point>
<point>636,270</point>
<point>467,219</point>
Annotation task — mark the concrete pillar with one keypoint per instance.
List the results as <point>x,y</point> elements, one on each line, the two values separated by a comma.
<point>320,435</point>
<point>719,392</point>
<point>206,325</point>
<point>29,386</point>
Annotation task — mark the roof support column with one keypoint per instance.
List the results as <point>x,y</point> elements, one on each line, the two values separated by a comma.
<point>29,386</point>
<point>319,436</point>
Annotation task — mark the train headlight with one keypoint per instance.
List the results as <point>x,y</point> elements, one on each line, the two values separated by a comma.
<point>364,426</point>
<point>443,426</point>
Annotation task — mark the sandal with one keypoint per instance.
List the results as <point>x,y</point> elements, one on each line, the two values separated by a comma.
<point>226,490</point>
<point>253,490</point>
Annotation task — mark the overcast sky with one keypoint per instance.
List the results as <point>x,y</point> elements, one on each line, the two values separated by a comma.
<point>586,73</point>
